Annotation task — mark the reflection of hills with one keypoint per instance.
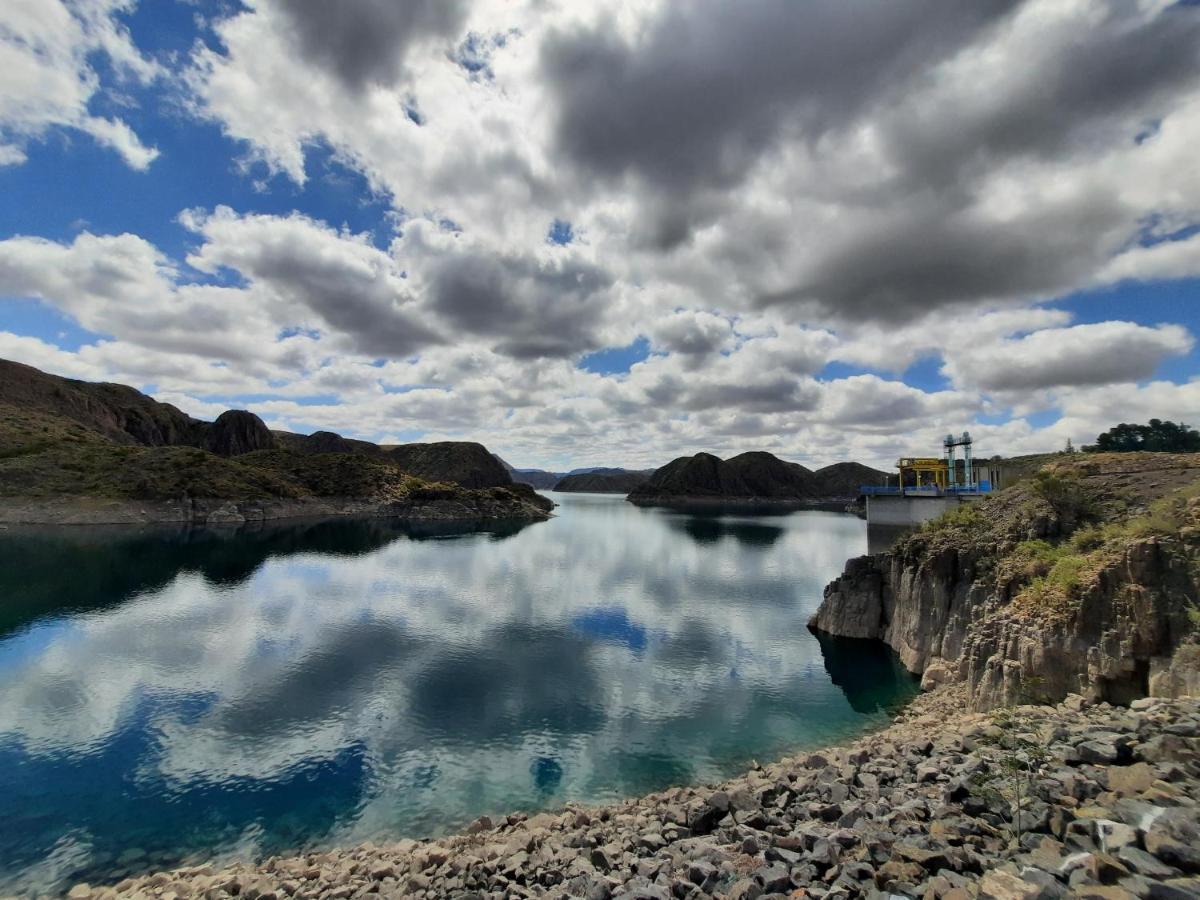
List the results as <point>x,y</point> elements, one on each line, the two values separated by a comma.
<point>710,529</point>
<point>82,568</point>
<point>868,672</point>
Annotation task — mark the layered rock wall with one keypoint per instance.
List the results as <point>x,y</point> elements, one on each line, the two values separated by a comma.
<point>949,621</point>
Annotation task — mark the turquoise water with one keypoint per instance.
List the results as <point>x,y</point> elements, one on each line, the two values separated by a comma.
<point>172,695</point>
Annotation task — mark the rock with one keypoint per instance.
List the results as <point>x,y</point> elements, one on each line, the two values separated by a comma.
<point>1129,780</point>
<point>1143,863</point>
<point>1097,752</point>
<point>937,672</point>
<point>80,892</point>
<point>745,889</point>
<point>1174,837</point>
<point>1112,836</point>
<point>483,823</point>
<point>651,841</point>
<point>1000,885</point>
<point>931,860</point>
<point>1103,892</point>
<point>236,432</point>
<point>1175,889</point>
<point>774,879</point>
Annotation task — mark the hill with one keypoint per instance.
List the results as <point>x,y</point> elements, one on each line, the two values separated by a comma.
<point>751,477</point>
<point>77,451</point>
<point>462,462</point>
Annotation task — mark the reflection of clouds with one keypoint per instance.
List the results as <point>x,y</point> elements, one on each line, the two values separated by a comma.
<point>606,644</point>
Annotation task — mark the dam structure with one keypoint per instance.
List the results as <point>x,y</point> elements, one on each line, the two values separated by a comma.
<point>927,486</point>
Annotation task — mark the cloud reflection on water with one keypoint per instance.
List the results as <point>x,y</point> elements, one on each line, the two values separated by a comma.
<point>411,683</point>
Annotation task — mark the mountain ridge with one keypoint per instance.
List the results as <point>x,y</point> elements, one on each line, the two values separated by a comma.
<point>753,476</point>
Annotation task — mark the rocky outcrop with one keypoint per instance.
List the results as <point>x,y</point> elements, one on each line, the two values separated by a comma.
<point>756,476</point>
<point>459,462</point>
<point>921,809</point>
<point>236,432</point>
<point>971,605</point>
<point>608,482</point>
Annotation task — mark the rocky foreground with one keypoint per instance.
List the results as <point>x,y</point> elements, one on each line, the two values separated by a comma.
<point>1109,808</point>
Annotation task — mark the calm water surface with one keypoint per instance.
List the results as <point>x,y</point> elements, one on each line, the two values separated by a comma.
<point>172,694</point>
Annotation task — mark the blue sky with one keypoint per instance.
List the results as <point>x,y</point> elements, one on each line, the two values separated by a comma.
<point>447,229</point>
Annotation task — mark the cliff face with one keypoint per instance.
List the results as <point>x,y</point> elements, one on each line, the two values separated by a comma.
<point>1045,590</point>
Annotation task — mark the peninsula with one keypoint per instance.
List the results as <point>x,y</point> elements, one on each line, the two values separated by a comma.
<point>73,452</point>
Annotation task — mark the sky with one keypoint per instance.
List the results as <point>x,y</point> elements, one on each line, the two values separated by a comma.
<point>617,232</point>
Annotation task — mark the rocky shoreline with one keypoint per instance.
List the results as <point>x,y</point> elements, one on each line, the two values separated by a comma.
<point>920,809</point>
<point>469,505</point>
<point>1082,579</point>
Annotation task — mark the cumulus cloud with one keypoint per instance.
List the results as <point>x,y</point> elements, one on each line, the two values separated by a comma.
<point>49,77</point>
<point>1103,353</point>
<point>311,274</point>
<point>364,41</point>
<point>792,204</point>
<point>527,306</point>
<point>693,333</point>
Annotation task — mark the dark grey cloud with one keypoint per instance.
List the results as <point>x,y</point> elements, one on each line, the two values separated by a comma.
<point>712,86</point>
<point>1081,95</point>
<point>528,308</point>
<point>365,41</point>
<point>917,258</point>
<point>357,299</point>
<point>709,90</point>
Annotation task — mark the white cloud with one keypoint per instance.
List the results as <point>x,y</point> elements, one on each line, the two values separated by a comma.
<point>929,204</point>
<point>49,80</point>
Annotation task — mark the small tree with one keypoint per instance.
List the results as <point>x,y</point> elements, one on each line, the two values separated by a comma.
<point>1070,448</point>
<point>1014,764</point>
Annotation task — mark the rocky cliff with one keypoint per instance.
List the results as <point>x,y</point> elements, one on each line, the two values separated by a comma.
<point>1082,579</point>
<point>754,476</point>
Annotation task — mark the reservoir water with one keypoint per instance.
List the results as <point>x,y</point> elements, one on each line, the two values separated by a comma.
<point>174,695</point>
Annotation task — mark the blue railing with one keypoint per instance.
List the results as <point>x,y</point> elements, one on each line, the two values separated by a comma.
<point>927,490</point>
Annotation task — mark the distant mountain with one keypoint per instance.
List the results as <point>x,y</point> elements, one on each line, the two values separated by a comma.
<point>753,476</point>
<point>544,480</point>
<point>603,481</point>
<point>538,478</point>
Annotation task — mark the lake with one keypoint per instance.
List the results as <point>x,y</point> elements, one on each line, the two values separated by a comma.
<point>168,695</point>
